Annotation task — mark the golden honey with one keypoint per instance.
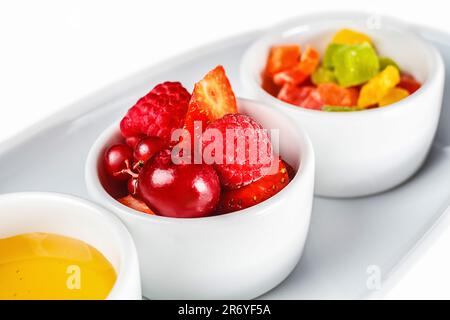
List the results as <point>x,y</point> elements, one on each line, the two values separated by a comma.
<point>49,266</point>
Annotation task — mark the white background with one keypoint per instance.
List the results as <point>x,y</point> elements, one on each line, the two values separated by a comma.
<point>54,52</point>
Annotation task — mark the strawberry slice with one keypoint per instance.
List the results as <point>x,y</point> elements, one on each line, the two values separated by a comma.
<point>135,204</point>
<point>212,98</point>
<point>290,170</point>
<point>254,193</point>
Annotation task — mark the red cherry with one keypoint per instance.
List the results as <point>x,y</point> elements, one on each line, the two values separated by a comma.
<point>132,186</point>
<point>179,190</point>
<point>147,148</point>
<point>133,141</point>
<point>117,161</point>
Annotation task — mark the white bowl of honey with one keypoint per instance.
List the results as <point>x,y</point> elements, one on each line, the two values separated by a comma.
<point>60,247</point>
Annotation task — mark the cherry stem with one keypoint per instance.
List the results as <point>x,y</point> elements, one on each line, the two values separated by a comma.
<point>138,165</point>
<point>127,170</point>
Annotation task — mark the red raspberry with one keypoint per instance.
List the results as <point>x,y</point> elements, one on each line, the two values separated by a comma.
<point>248,161</point>
<point>158,113</point>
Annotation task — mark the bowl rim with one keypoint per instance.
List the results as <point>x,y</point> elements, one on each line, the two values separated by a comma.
<point>98,192</point>
<point>126,246</point>
<point>246,73</point>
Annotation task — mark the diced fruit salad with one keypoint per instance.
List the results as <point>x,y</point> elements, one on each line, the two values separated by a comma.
<point>351,76</point>
<point>154,181</point>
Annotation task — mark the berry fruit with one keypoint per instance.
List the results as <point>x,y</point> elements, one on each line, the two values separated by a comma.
<point>118,159</point>
<point>135,204</point>
<point>212,98</point>
<point>246,154</point>
<point>256,192</point>
<point>178,190</point>
<point>132,186</point>
<point>147,148</point>
<point>133,141</point>
<point>158,113</point>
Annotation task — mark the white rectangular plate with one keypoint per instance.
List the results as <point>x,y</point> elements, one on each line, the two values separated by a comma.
<point>346,236</point>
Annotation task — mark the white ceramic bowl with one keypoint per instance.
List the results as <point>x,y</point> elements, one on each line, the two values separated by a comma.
<point>77,218</point>
<point>360,153</point>
<point>239,255</point>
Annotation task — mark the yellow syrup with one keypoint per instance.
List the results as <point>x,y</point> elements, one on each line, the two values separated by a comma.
<point>49,266</point>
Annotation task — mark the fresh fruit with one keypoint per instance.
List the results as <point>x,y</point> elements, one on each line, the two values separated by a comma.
<point>282,58</point>
<point>132,186</point>
<point>118,161</point>
<point>394,95</point>
<point>355,64</point>
<point>332,94</point>
<point>305,96</point>
<point>377,87</point>
<point>244,152</point>
<point>409,83</point>
<point>158,113</point>
<point>135,204</point>
<point>323,75</point>
<point>290,170</point>
<point>178,190</point>
<point>256,192</point>
<point>133,141</point>
<point>236,150</point>
<point>348,36</point>
<point>147,148</point>
<point>212,98</point>
<point>298,74</point>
